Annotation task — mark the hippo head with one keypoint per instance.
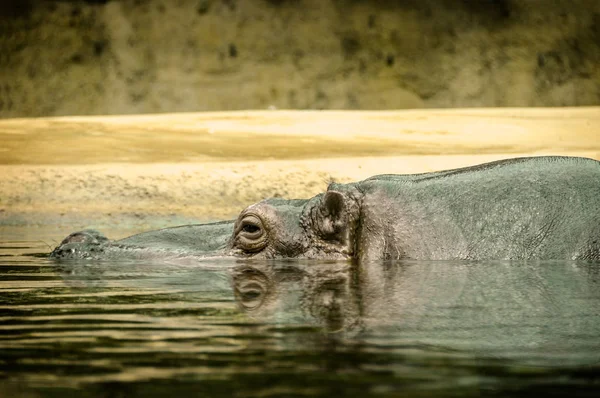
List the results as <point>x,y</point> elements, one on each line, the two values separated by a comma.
<point>322,227</point>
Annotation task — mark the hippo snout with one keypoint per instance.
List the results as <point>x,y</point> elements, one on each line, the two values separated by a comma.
<point>82,244</point>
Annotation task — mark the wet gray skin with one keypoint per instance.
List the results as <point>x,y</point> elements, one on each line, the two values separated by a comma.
<point>543,207</point>
<point>201,240</point>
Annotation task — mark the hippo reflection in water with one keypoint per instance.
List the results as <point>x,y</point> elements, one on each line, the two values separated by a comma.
<point>510,307</point>
<point>541,207</point>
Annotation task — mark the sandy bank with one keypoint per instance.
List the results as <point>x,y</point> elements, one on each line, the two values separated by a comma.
<point>151,170</point>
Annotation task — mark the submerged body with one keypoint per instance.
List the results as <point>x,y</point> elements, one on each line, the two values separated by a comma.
<point>543,207</point>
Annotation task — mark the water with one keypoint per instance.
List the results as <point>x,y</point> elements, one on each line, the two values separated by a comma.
<point>292,328</point>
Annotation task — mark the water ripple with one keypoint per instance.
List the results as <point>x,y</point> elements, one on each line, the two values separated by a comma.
<point>296,329</point>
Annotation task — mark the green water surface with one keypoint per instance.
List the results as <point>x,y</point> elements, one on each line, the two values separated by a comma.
<point>292,328</point>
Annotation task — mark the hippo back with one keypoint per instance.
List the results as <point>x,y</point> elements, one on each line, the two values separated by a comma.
<point>543,207</point>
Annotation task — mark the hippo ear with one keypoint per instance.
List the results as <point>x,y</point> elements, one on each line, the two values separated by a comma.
<point>332,219</point>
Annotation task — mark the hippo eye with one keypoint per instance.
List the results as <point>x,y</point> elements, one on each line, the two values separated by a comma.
<point>250,228</point>
<point>250,235</point>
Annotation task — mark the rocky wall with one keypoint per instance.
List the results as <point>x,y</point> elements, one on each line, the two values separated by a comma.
<point>149,56</point>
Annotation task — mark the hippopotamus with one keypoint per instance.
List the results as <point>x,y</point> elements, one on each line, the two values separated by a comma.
<point>523,208</point>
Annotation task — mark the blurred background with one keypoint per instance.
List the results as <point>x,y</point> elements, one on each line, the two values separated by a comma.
<point>196,84</point>
<point>86,57</point>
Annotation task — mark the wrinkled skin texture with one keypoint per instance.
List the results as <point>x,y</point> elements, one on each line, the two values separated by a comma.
<point>543,208</point>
